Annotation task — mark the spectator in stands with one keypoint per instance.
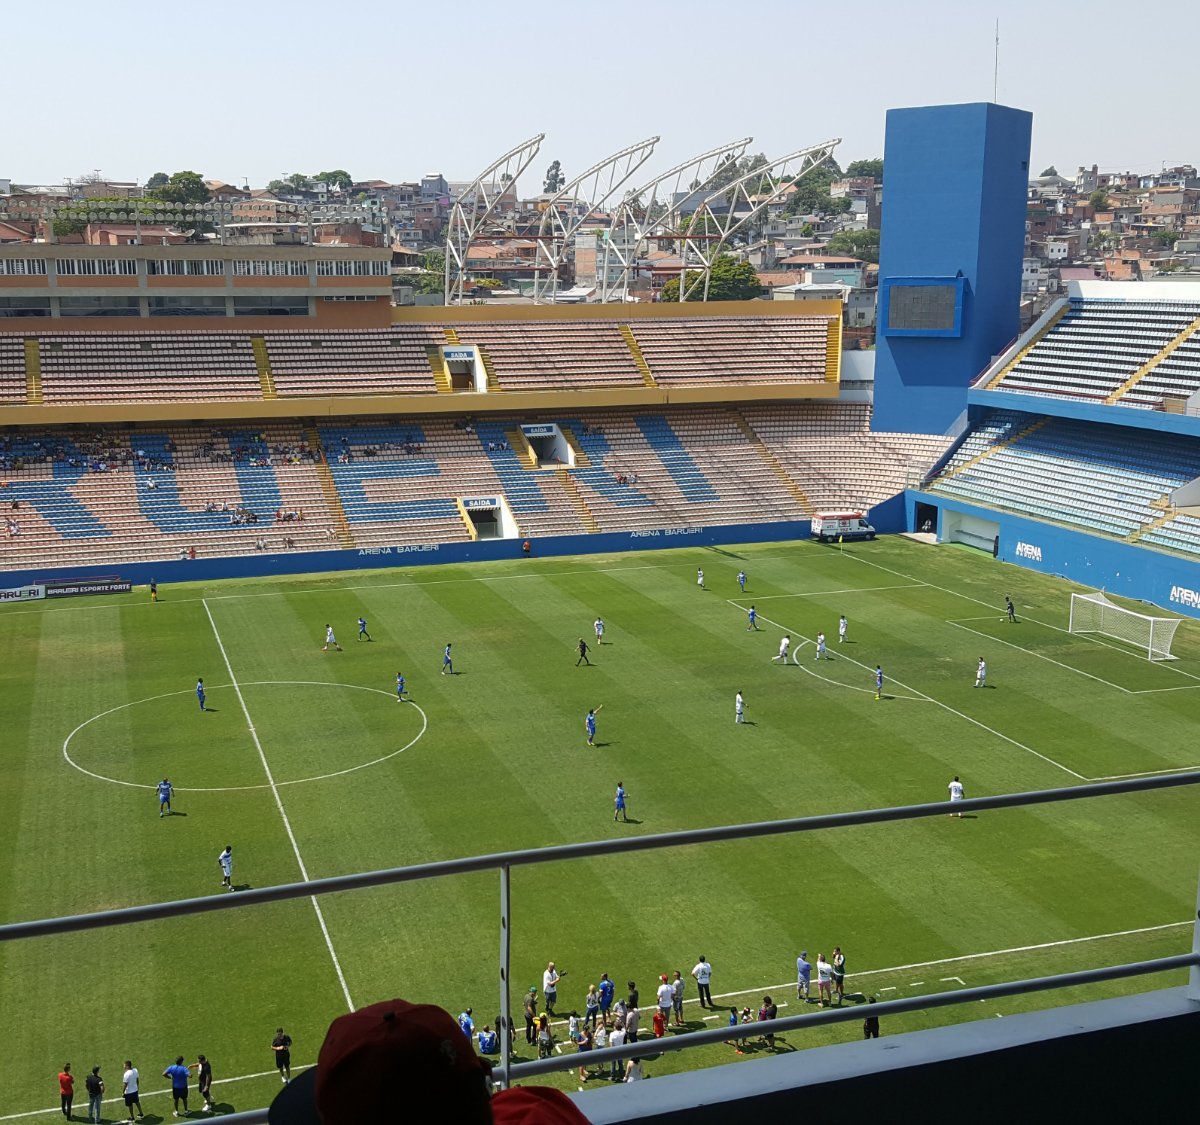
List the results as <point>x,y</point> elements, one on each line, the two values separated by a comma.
<point>191,552</point>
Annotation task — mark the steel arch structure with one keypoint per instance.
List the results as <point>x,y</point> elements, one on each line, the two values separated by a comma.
<point>475,206</point>
<point>654,206</point>
<point>593,188</point>
<point>710,229</point>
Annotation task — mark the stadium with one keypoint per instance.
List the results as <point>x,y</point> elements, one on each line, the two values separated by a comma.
<point>290,453</point>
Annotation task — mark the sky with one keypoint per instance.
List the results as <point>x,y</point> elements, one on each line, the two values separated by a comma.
<point>395,90</point>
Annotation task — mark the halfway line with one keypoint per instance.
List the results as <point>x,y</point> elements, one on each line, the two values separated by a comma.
<point>287,824</point>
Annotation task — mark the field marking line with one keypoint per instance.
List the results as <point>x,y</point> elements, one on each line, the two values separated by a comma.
<point>847,590</point>
<point>245,788</point>
<point>1035,620</point>
<point>945,980</point>
<point>1145,773</point>
<point>750,991</point>
<point>1048,659</point>
<point>946,707</point>
<point>1158,690</point>
<point>287,824</point>
<point>836,683</point>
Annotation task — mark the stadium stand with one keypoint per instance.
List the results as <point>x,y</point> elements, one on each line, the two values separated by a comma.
<point>147,367</point>
<point>12,370</point>
<point>1101,478</point>
<point>1098,346</point>
<point>554,355</point>
<point>719,350</point>
<point>391,361</point>
<point>828,449</point>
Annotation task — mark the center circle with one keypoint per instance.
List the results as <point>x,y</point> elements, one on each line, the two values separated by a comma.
<point>231,705</point>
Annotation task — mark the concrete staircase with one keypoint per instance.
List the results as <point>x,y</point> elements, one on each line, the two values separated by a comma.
<point>1151,364</point>
<point>341,525</point>
<point>582,460</point>
<point>521,447</point>
<point>833,350</point>
<point>773,463</point>
<point>1154,524</point>
<point>995,380</point>
<point>996,448</point>
<point>263,362</point>
<point>441,377</point>
<point>572,491</point>
<point>636,351</point>
<point>33,371</point>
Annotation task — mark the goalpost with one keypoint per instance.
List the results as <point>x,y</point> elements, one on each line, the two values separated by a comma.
<point>1094,613</point>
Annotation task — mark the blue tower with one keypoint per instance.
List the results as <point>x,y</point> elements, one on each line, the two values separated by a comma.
<point>955,184</point>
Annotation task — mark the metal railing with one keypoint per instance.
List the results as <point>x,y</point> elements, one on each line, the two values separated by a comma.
<point>505,862</point>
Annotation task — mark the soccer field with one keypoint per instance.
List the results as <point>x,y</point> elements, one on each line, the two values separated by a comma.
<point>307,765</point>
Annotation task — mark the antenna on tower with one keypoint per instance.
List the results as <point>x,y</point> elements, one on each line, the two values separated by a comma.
<point>996,65</point>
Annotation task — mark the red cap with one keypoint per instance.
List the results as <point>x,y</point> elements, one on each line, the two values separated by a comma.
<point>389,1053</point>
<point>535,1105</point>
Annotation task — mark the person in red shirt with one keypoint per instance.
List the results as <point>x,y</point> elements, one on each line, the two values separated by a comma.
<point>66,1089</point>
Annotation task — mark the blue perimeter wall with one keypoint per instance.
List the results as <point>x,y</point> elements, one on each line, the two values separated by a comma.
<point>1125,569</point>
<point>412,554</point>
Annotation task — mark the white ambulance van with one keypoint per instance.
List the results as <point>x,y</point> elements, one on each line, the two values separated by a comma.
<point>830,526</point>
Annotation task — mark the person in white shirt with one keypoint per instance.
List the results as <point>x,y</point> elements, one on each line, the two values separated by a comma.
<point>824,980</point>
<point>225,859</point>
<point>842,627</point>
<point>132,1081</point>
<point>550,987</point>
<point>633,1070</point>
<point>821,646</point>
<point>598,625</point>
<point>703,974</point>
<point>739,708</point>
<point>666,998</point>
<point>956,794</point>
<point>784,645</point>
<point>330,639</point>
<point>616,1039</point>
<point>981,674</point>
<point>700,579</point>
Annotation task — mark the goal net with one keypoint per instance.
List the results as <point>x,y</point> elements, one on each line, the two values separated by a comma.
<point>1094,613</point>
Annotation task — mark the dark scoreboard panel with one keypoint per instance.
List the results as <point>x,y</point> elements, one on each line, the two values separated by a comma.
<point>923,306</point>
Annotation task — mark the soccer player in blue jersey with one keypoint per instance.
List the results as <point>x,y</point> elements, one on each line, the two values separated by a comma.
<point>878,682</point>
<point>589,724</point>
<point>447,663</point>
<point>753,616</point>
<point>741,579</point>
<point>200,693</point>
<point>619,803</point>
<point>362,629</point>
<point>399,687</point>
<point>165,789</point>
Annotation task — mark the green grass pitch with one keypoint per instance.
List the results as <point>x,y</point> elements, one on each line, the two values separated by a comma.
<point>494,758</point>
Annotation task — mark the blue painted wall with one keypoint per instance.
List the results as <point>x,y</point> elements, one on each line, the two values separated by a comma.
<point>955,184</point>
<point>1119,568</point>
<point>1058,407</point>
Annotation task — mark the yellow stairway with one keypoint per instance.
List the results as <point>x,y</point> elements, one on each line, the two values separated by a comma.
<point>582,460</point>
<point>572,491</point>
<point>472,530</point>
<point>1154,524</point>
<point>833,350</point>
<point>1151,364</point>
<point>265,378</point>
<point>995,448</point>
<point>994,381</point>
<point>521,447</point>
<point>441,377</point>
<point>632,344</point>
<point>773,463</point>
<point>33,371</point>
<point>341,525</point>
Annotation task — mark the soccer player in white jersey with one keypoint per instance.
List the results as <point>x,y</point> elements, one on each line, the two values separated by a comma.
<point>598,625</point>
<point>842,627</point>
<point>225,859</point>
<point>821,647</point>
<point>330,639</point>
<point>981,674</point>
<point>739,708</point>
<point>956,794</point>
<point>784,646</point>
<point>700,579</point>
